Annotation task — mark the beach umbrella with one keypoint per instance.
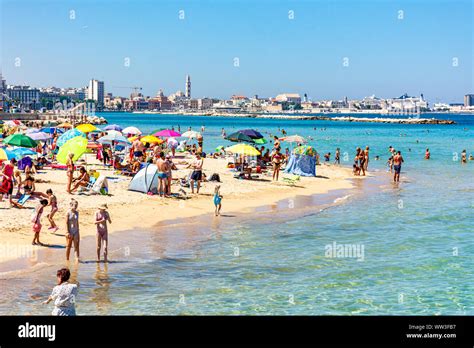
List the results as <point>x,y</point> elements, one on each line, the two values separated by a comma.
<point>86,128</point>
<point>114,127</point>
<point>237,136</point>
<point>151,139</point>
<point>167,133</point>
<point>20,140</point>
<point>243,149</point>
<point>72,133</point>
<point>51,130</point>
<point>6,154</point>
<point>114,132</point>
<point>64,125</point>
<point>132,139</point>
<point>21,152</point>
<point>294,139</point>
<point>40,136</point>
<point>251,133</point>
<point>77,146</point>
<point>32,130</point>
<point>118,138</point>
<point>131,130</point>
<point>260,141</point>
<point>191,134</point>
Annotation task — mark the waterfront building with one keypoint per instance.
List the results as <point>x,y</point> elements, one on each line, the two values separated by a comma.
<point>406,103</point>
<point>469,100</point>
<point>96,92</point>
<point>290,98</point>
<point>137,103</point>
<point>160,102</point>
<point>193,104</point>
<point>25,96</point>
<point>204,103</point>
<point>3,93</point>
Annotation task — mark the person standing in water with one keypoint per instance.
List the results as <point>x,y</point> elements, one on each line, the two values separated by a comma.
<point>337,157</point>
<point>397,166</point>
<point>64,295</point>
<point>217,200</point>
<point>427,154</point>
<point>72,230</point>
<point>366,158</point>
<point>101,218</point>
<point>463,157</point>
<point>36,220</point>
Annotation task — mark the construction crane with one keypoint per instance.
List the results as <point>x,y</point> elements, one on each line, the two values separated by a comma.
<point>135,88</point>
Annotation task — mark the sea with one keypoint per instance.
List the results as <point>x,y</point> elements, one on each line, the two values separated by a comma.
<point>377,249</point>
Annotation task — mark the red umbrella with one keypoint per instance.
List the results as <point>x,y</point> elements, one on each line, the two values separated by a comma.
<point>167,133</point>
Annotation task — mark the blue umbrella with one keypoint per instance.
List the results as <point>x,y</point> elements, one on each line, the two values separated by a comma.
<point>51,130</point>
<point>72,133</point>
<point>9,153</point>
<point>22,152</point>
<point>107,139</point>
<point>115,127</point>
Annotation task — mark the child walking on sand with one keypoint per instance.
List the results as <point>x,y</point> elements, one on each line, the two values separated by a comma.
<point>36,220</point>
<point>101,218</point>
<point>53,202</point>
<point>217,200</point>
<point>72,235</point>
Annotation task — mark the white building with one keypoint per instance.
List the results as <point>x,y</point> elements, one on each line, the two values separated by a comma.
<point>96,92</point>
<point>27,96</point>
<point>204,103</point>
<point>292,98</point>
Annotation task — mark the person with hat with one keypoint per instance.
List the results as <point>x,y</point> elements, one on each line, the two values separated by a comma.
<point>101,218</point>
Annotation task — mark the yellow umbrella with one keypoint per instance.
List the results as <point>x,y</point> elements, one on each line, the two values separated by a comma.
<point>64,125</point>
<point>151,139</point>
<point>76,145</point>
<point>243,149</point>
<point>86,128</point>
<point>132,139</point>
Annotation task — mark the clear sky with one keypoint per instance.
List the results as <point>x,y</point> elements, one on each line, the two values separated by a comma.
<point>427,48</point>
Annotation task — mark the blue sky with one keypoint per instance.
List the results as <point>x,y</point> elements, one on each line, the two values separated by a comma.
<point>387,56</point>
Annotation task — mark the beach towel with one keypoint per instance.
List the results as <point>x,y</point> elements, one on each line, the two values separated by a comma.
<point>23,199</point>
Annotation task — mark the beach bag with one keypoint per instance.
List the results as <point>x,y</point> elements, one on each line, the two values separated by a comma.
<point>215,177</point>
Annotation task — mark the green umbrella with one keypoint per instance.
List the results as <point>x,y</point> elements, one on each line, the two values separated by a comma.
<point>238,137</point>
<point>260,141</point>
<point>219,148</point>
<point>77,146</point>
<point>20,140</point>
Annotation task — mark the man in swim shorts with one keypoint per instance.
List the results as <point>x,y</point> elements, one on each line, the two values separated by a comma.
<point>163,169</point>
<point>397,166</point>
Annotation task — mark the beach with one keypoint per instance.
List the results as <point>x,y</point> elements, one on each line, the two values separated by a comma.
<point>134,210</point>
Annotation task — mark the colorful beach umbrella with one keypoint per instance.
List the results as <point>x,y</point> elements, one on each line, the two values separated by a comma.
<point>20,140</point>
<point>32,130</point>
<point>86,128</point>
<point>109,138</point>
<point>6,154</point>
<point>114,133</point>
<point>260,141</point>
<point>64,125</point>
<point>294,139</point>
<point>114,127</point>
<point>51,130</point>
<point>166,133</point>
<point>21,152</point>
<point>243,149</point>
<point>251,133</point>
<point>151,139</point>
<point>131,130</point>
<point>191,134</point>
<point>72,133</point>
<point>238,137</point>
<point>40,136</point>
<point>77,146</point>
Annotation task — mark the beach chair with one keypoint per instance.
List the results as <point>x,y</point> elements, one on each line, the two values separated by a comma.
<point>23,199</point>
<point>291,180</point>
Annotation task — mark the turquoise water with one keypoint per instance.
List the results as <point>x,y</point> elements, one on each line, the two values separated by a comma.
<point>417,237</point>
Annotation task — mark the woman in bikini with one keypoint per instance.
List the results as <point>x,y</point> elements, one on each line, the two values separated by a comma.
<point>276,161</point>
<point>70,171</point>
<point>53,202</point>
<point>101,218</point>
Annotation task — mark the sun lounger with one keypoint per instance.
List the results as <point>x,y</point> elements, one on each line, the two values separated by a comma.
<point>291,180</point>
<point>23,199</point>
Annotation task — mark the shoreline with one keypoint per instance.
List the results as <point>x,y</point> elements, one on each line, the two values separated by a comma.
<point>131,211</point>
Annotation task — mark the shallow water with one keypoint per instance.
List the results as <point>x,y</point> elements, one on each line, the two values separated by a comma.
<point>417,239</point>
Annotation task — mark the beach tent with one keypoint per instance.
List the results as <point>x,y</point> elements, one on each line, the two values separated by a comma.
<point>302,161</point>
<point>146,180</point>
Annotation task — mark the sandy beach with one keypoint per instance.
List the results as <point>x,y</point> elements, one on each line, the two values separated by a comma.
<point>133,210</point>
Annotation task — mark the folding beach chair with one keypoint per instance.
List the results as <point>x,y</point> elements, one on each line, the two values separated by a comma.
<point>23,199</point>
<point>291,180</point>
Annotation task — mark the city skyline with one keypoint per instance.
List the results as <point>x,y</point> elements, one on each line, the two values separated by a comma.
<point>327,50</point>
